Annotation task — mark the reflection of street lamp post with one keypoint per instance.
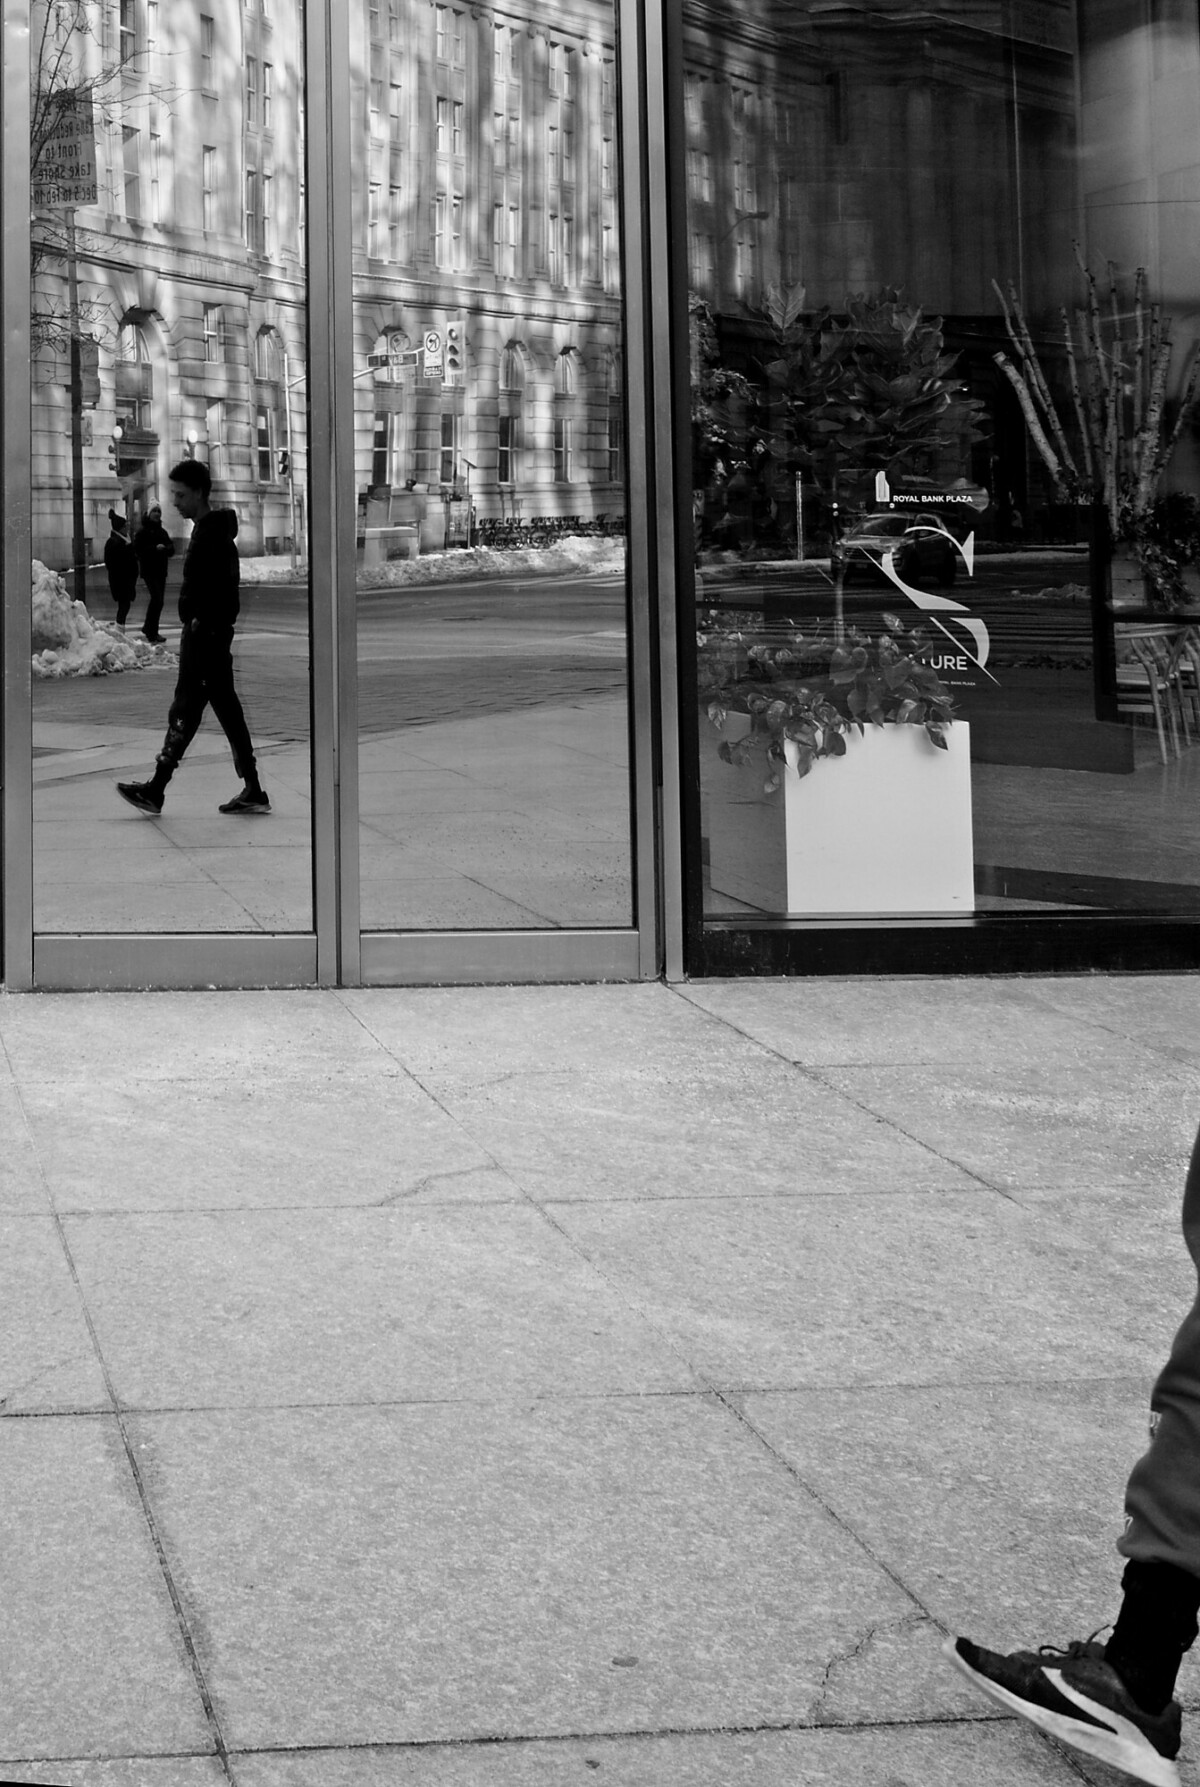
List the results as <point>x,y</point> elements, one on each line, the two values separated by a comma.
<point>189,445</point>
<point>471,467</point>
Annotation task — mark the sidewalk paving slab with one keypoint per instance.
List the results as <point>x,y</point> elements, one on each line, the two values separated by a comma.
<point>531,1384</point>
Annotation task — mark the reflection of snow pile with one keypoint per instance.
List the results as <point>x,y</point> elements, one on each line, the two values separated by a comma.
<point>575,552</point>
<point>68,642</point>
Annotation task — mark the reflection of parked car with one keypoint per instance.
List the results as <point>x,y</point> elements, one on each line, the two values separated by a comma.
<point>924,552</point>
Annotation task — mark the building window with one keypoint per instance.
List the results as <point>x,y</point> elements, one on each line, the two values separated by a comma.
<point>564,470</point>
<point>380,469</point>
<point>510,370</point>
<point>253,212</point>
<point>208,187</point>
<point>439,229</point>
<point>553,263</point>
<point>375,221</point>
<point>449,126</point>
<point>156,169</point>
<point>554,67</point>
<point>395,21</point>
<point>265,192</point>
<point>268,89</point>
<point>214,433</point>
<point>448,459</point>
<point>611,266</point>
<point>506,450</point>
<point>564,374</point>
<point>568,251</point>
<point>448,38</point>
<point>264,432</point>
<point>252,91</point>
<point>128,30</point>
<point>131,155</point>
<point>207,46</point>
<point>214,332</point>
<point>616,446</point>
<point>395,223</point>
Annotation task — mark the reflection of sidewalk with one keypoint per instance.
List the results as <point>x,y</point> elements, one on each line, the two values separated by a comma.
<point>509,1387</point>
<point>511,820</point>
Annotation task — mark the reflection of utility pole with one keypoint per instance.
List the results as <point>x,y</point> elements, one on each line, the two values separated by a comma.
<point>78,550</point>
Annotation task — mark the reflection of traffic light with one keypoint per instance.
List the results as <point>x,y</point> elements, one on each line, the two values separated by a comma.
<point>454,353</point>
<point>114,448</point>
<point>285,463</point>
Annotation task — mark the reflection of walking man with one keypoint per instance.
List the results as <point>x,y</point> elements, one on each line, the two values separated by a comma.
<point>120,561</point>
<point>208,609</point>
<point>1116,1700</point>
<point>154,547</point>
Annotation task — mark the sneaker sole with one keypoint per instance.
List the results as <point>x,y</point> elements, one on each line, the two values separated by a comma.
<point>146,812</point>
<point>1123,1747</point>
<point>246,812</point>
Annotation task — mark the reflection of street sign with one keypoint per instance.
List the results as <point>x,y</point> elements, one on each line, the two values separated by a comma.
<point>433,354</point>
<point>65,174</point>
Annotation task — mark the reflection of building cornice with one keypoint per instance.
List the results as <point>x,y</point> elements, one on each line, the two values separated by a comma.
<point>538,308</point>
<point>839,39</point>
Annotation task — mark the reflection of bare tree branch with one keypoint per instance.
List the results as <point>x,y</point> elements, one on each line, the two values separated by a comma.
<point>59,67</point>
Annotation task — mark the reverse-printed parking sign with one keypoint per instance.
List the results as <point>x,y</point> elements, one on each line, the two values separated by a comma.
<point>65,174</point>
<point>433,354</point>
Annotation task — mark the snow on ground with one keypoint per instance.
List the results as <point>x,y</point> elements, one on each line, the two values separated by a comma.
<point>68,641</point>
<point>575,552</point>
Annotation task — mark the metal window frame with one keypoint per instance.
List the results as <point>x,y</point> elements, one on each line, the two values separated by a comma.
<point>336,951</point>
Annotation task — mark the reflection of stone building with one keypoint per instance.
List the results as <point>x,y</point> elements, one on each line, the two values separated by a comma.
<point>485,212</point>
<point>190,268</point>
<point>841,147</point>
<point>935,149</point>
<point>487,215</point>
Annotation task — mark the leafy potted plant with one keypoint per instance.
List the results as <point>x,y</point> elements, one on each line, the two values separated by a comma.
<point>887,828</point>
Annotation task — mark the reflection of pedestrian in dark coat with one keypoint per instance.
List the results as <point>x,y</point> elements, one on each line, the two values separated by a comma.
<point>154,547</point>
<point>120,561</point>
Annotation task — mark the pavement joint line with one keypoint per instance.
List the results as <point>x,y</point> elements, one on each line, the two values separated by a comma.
<point>702,1392</point>
<point>816,1075</point>
<point>116,1413</point>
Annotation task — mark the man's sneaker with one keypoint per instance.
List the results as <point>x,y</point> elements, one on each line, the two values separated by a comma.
<point>1077,1697</point>
<point>247,802</point>
<point>142,796</point>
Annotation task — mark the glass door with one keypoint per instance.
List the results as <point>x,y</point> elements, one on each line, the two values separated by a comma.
<point>170,481</point>
<point>494,714</point>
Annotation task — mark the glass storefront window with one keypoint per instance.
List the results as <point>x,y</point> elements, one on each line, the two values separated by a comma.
<point>943,302</point>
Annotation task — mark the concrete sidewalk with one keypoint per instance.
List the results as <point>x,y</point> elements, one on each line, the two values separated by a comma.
<point>518,1386</point>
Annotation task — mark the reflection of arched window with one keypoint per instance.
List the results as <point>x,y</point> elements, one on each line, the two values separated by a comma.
<point>270,416</point>
<point>512,398</point>
<point>566,392</point>
<point>134,378</point>
<point>565,379</point>
<point>615,385</point>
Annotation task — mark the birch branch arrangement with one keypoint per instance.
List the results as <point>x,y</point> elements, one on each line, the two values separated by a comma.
<point>1118,354</point>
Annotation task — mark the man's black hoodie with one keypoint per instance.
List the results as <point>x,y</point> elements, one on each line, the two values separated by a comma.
<point>210,573</point>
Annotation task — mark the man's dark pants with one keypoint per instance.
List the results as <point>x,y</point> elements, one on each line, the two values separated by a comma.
<point>206,680</point>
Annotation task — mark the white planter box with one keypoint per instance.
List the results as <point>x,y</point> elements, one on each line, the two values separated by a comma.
<point>884,830</point>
